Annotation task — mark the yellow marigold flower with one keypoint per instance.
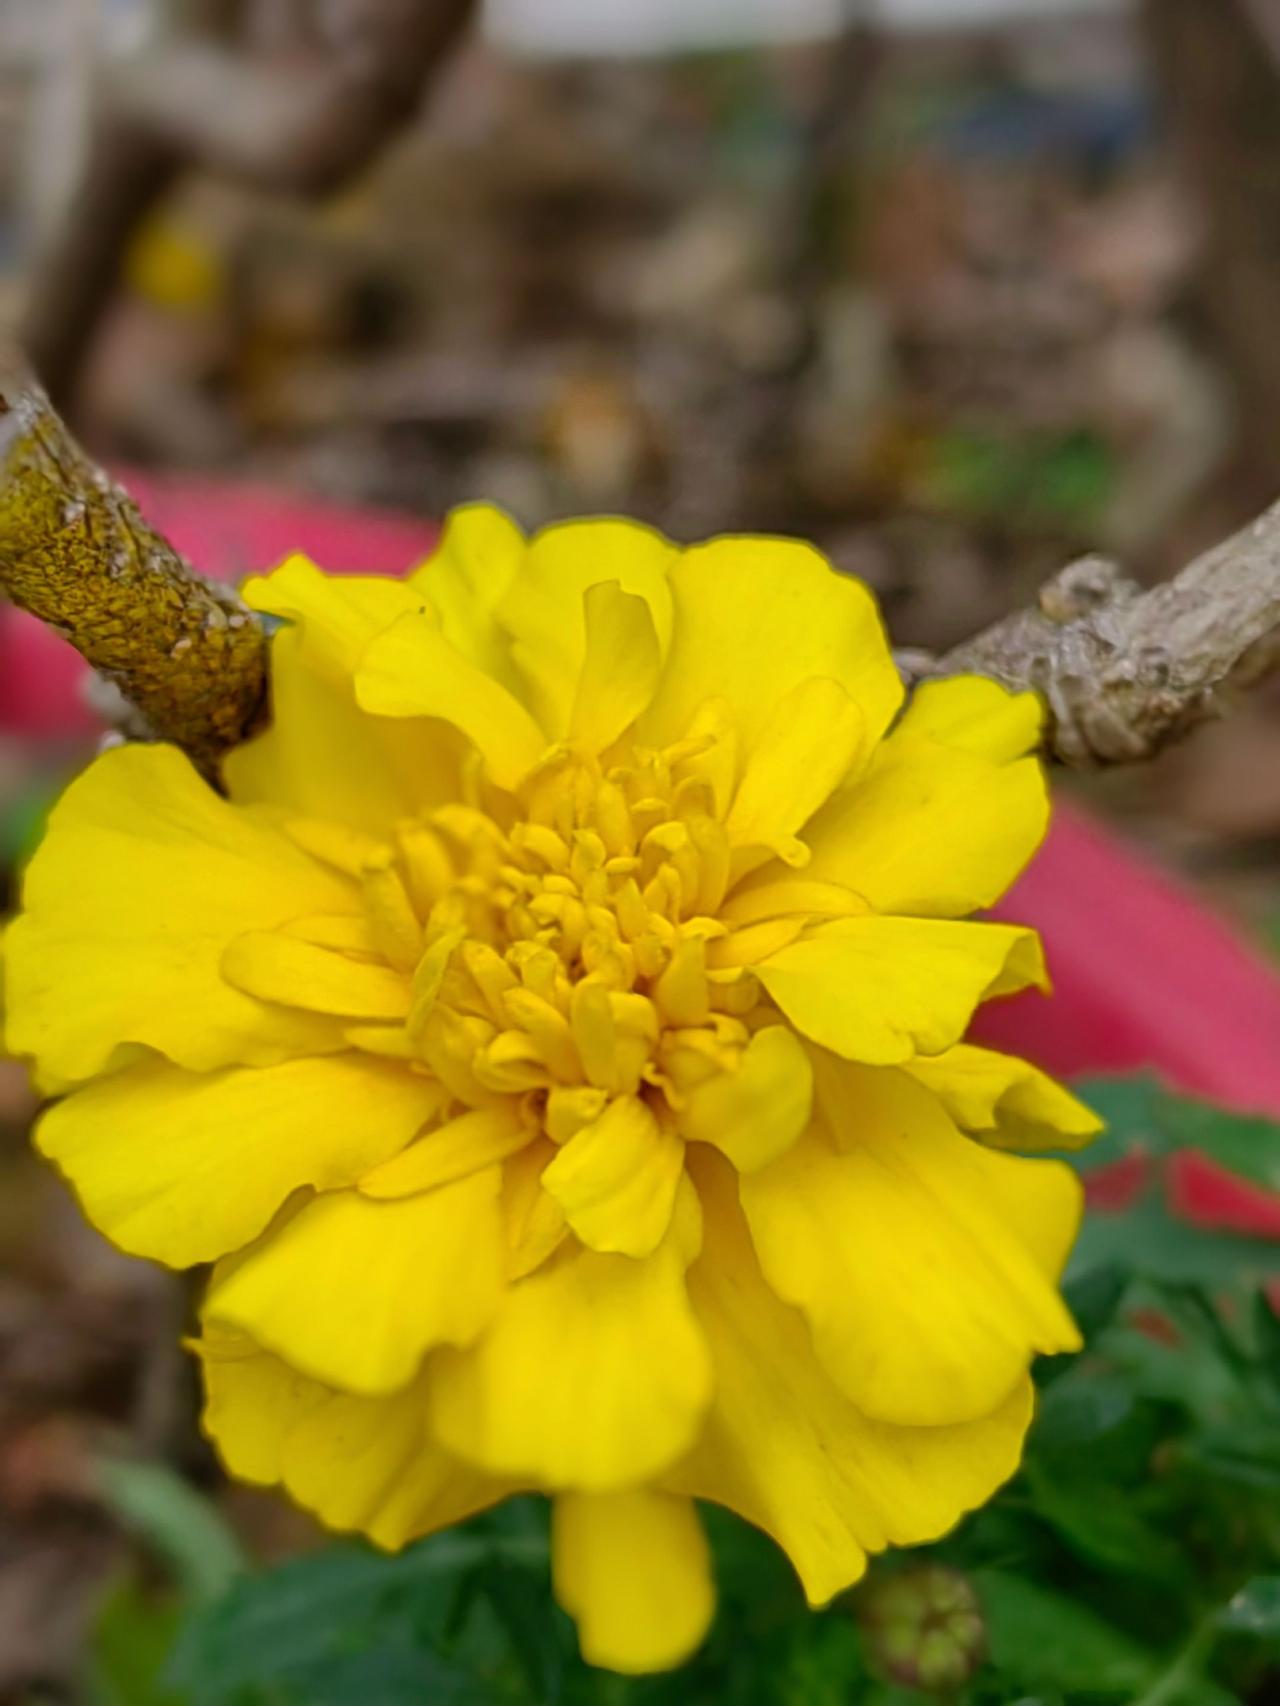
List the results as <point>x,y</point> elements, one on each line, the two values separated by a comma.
<point>554,1037</point>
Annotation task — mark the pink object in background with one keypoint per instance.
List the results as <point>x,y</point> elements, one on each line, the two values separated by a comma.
<point>228,531</point>
<point>1146,977</point>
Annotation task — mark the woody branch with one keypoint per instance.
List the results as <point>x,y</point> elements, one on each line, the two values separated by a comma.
<point>75,551</point>
<point>1124,671</point>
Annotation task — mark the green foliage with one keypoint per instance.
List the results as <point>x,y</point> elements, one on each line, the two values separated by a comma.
<point>1134,1561</point>
<point>179,1526</point>
<point>23,820</point>
<point>1037,480</point>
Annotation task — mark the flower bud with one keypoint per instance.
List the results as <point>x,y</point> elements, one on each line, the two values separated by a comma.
<point>923,1627</point>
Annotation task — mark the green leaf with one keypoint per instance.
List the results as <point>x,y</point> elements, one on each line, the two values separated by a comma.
<point>1158,1245</point>
<point>537,1633</point>
<point>1266,1334</point>
<point>1245,1146</point>
<point>825,1661</point>
<point>1132,1109</point>
<point>1077,1413</point>
<point>1144,1117</point>
<point>1255,1610</point>
<point>286,1626</point>
<point>1039,1639</point>
<point>1242,1453</point>
<point>128,1645</point>
<point>1093,1298</point>
<point>22,825</point>
<point>1104,1530</point>
<point>167,1514</point>
<point>391,1675</point>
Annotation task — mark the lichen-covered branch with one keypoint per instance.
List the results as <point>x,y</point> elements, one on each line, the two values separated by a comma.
<point>1126,671</point>
<point>75,551</point>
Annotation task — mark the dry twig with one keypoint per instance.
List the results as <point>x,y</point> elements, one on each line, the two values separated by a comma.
<point>1126,671</point>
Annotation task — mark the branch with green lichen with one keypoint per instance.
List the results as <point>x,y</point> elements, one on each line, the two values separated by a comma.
<point>188,656</point>
<point>1123,671</point>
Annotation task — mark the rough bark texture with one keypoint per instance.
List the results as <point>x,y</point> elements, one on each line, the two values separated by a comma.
<point>1125,671</point>
<point>75,552</point>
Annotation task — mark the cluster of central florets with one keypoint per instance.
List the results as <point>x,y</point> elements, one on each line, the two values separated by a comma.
<point>574,954</point>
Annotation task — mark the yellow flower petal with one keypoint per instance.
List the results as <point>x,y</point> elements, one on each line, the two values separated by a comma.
<point>616,1180</point>
<point>816,737</point>
<point>881,990</point>
<point>786,1450</point>
<point>755,617</point>
<point>926,1266</point>
<point>354,1293</point>
<point>768,896</point>
<point>755,1114</point>
<point>930,830</point>
<point>481,551</point>
<point>620,666</point>
<point>411,670</point>
<point>367,1464</point>
<point>336,616</point>
<point>634,1571</point>
<point>972,714</point>
<point>535,1222</point>
<point>593,1376</point>
<point>143,877</point>
<point>183,1166</point>
<point>545,611</point>
<point>322,757</point>
<point>282,968</point>
<point>1007,1102</point>
<point>452,1151</point>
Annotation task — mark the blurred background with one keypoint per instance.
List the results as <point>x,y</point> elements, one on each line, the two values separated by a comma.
<point>957,288</point>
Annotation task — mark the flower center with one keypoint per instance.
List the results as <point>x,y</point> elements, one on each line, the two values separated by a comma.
<point>564,954</point>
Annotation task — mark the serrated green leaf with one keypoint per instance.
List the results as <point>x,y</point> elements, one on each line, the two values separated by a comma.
<point>1145,1117</point>
<point>1131,1107</point>
<point>389,1675</point>
<point>1103,1530</point>
<point>1248,1147</point>
<point>273,1628</point>
<point>1156,1244</point>
<point>1040,1639</point>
